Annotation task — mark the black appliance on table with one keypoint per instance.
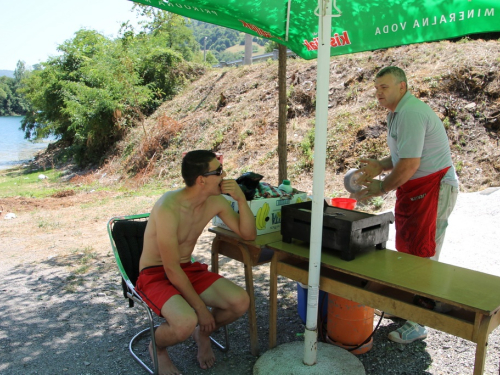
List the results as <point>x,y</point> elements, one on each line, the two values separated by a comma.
<point>344,230</point>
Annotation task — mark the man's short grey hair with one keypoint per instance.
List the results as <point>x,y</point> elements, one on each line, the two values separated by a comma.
<point>398,73</point>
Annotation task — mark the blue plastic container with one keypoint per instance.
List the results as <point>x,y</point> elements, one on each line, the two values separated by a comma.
<point>302,303</point>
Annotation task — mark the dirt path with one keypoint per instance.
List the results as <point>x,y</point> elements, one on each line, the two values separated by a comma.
<point>63,312</point>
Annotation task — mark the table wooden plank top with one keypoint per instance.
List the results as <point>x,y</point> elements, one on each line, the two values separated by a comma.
<point>422,276</point>
<point>259,241</point>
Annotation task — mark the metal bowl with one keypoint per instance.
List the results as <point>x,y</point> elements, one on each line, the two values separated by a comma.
<point>350,181</point>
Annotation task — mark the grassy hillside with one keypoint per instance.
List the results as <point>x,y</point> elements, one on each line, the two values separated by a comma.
<point>235,111</point>
<point>241,48</point>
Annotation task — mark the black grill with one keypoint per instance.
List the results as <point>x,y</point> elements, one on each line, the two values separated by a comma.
<point>344,230</point>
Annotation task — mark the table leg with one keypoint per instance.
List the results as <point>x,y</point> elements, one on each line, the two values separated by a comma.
<point>215,254</point>
<point>273,300</point>
<point>252,316</point>
<point>482,342</point>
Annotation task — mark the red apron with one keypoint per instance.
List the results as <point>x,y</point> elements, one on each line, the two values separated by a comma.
<point>416,214</point>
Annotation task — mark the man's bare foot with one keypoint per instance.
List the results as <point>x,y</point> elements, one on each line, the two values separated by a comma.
<point>206,356</point>
<point>165,365</point>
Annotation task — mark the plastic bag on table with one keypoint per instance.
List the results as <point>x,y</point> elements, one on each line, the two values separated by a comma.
<point>248,183</point>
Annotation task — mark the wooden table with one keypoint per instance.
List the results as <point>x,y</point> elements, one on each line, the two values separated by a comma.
<point>250,253</point>
<point>399,277</point>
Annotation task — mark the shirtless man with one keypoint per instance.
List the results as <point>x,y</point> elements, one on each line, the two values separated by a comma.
<point>169,283</point>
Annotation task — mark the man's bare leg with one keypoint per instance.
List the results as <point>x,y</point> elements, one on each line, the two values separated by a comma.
<point>181,321</point>
<point>165,365</point>
<point>206,356</point>
<point>228,302</point>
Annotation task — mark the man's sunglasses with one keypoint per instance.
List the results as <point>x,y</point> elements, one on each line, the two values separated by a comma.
<point>217,172</point>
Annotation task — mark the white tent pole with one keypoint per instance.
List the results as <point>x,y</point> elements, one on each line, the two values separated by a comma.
<point>322,86</point>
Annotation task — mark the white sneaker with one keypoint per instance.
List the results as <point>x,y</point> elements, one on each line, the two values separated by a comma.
<point>408,333</point>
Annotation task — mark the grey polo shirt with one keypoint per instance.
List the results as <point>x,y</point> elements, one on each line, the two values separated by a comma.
<point>415,131</point>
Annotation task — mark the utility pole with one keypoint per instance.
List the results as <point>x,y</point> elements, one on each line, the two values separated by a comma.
<point>248,50</point>
<point>205,49</point>
<point>282,115</point>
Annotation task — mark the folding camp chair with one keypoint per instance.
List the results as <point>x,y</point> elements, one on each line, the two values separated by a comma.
<point>126,234</point>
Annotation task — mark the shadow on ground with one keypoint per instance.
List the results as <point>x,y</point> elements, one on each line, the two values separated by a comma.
<point>67,315</point>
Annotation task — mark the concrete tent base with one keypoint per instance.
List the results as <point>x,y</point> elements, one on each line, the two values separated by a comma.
<point>287,359</point>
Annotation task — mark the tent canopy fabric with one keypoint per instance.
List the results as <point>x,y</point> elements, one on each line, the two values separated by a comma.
<point>358,25</point>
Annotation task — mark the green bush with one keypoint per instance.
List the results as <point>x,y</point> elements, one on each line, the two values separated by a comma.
<point>98,87</point>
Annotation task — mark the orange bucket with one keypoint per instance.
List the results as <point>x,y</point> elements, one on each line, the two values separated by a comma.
<point>349,324</point>
<point>347,203</point>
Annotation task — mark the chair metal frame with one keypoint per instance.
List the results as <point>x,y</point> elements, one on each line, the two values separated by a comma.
<point>132,295</point>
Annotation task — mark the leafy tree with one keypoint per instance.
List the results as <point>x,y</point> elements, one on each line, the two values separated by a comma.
<point>229,56</point>
<point>218,46</point>
<point>271,45</point>
<point>218,38</point>
<point>21,106</point>
<point>158,67</point>
<point>85,96</point>
<point>20,72</point>
<point>169,29</point>
<point>260,41</point>
<point>97,88</point>
<point>210,58</point>
<point>3,94</point>
<point>12,102</point>
<point>6,95</point>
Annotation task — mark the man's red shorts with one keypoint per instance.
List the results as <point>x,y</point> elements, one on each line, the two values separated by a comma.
<point>155,289</point>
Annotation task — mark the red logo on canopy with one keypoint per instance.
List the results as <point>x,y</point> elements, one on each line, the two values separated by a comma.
<point>258,30</point>
<point>336,41</point>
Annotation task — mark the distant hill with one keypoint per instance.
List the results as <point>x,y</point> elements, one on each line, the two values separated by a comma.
<point>7,73</point>
<point>225,44</point>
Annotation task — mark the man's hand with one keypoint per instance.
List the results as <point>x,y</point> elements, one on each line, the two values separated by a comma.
<point>371,168</point>
<point>206,320</point>
<point>244,223</point>
<point>232,188</point>
<point>401,173</point>
<point>372,190</point>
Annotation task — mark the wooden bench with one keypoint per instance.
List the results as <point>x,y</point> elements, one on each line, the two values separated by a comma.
<point>399,276</point>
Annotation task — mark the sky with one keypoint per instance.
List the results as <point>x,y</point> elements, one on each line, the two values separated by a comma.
<point>31,30</point>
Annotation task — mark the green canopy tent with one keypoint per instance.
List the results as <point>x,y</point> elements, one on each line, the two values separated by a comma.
<point>361,25</point>
<point>306,27</point>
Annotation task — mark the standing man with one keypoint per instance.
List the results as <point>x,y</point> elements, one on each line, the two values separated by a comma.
<point>169,282</point>
<point>421,170</point>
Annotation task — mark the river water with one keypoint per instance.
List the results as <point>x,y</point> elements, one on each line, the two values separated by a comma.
<point>14,149</point>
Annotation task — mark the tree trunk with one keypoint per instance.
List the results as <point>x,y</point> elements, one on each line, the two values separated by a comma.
<point>282,148</point>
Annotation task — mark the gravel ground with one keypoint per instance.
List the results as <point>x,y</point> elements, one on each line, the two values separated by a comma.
<point>58,320</point>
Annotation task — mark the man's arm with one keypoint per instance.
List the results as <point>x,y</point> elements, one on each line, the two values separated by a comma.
<point>401,173</point>
<point>166,228</point>
<point>372,168</point>
<point>386,163</point>
<point>242,224</point>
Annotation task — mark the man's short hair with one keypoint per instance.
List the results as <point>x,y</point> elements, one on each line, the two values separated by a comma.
<point>398,73</point>
<point>194,164</point>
